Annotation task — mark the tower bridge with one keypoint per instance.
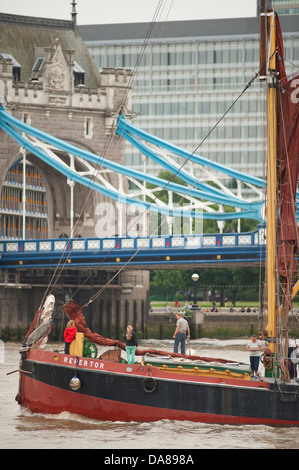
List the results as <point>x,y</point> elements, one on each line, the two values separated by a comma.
<point>163,252</point>
<point>73,131</point>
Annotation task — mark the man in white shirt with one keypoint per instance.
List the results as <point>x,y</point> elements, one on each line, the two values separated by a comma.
<point>181,331</point>
<point>254,347</point>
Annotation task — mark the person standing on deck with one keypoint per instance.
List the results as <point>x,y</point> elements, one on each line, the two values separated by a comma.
<point>254,347</point>
<point>131,343</point>
<point>69,335</point>
<point>182,329</point>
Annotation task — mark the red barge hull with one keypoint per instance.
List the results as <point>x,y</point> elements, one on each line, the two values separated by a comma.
<point>119,392</point>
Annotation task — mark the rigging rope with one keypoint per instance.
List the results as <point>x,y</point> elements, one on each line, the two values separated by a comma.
<point>116,274</point>
<point>106,146</point>
<point>178,170</point>
<point>191,154</point>
<point>173,176</point>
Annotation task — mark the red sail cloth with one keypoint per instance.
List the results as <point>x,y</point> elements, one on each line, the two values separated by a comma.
<point>74,312</point>
<point>288,163</point>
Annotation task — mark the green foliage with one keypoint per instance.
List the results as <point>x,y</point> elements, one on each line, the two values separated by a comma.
<point>166,282</point>
<point>235,284</point>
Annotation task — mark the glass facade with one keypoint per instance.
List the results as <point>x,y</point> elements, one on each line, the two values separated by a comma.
<point>183,86</point>
<point>283,7</point>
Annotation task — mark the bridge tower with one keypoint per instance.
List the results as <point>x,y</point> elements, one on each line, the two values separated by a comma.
<point>49,80</point>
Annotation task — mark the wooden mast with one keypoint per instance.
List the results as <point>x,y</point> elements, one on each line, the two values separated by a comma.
<point>271,186</point>
<point>268,71</point>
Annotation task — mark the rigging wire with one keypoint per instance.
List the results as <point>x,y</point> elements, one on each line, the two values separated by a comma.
<point>141,247</point>
<point>105,146</point>
<point>184,163</point>
<point>99,292</point>
<point>151,32</point>
<point>203,140</point>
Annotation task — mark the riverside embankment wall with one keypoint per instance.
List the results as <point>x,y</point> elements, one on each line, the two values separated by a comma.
<point>223,324</point>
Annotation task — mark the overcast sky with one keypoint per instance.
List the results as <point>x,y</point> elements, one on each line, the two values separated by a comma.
<point>129,11</point>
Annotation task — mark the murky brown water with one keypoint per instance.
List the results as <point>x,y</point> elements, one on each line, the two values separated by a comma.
<point>21,429</point>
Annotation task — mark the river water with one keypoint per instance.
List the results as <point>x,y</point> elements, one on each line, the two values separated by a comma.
<point>21,429</point>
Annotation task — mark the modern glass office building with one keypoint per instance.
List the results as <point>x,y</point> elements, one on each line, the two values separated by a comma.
<point>189,75</point>
<point>283,7</point>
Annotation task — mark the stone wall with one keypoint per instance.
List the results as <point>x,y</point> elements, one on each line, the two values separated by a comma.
<point>215,325</point>
<point>123,302</point>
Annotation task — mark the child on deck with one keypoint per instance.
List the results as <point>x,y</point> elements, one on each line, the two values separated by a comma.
<point>69,335</point>
<point>131,343</point>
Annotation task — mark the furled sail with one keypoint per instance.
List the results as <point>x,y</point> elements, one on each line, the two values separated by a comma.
<point>287,178</point>
<point>288,163</point>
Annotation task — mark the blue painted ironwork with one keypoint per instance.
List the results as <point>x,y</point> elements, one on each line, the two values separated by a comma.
<point>125,129</point>
<point>132,134</point>
<point>15,128</point>
<point>196,189</point>
<point>209,249</point>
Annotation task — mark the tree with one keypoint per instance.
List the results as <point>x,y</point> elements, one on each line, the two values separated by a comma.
<point>168,280</point>
<point>235,284</point>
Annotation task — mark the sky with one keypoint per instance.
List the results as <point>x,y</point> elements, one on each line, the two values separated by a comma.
<point>131,11</point>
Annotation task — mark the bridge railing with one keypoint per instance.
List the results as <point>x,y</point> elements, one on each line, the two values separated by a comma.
<point>228,240</point>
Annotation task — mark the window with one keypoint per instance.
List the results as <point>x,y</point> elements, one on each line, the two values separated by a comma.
<point>248,55</point>
<point>198,108</point>
<point>26,118</point>
<point>205,107</point>
<point>182,133</point>
<point>98,59</point>
<point>151,109</point>
<point>174,108</point>
<point>88,127</point>
<point>233,55</point>
<point>156,58</point>
<point>167,108</point>
<point>38,64</point>
<point>174,133</point>
<point>187,57</point>
<point>159,108</point>
<point>166,133</point>
<point>190,107</point>
<point>210,57</point>
<point>36,69</point>
<point>16,71</point>
<point>179,58</point>
<point>16,67</point>
<point>225,56</point>
<point>79,74</point>
<point>202,57</point>
<point>182,107</point>
<point>213,107</point>
<point>144,109</point>
<point>190,133</point>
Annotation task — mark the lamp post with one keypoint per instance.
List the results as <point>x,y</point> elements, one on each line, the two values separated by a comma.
<point>195,278</point>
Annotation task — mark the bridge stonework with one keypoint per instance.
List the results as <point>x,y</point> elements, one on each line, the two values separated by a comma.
<point>49,80</point>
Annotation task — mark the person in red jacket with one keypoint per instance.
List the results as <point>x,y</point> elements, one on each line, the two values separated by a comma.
<point>69,335</point>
